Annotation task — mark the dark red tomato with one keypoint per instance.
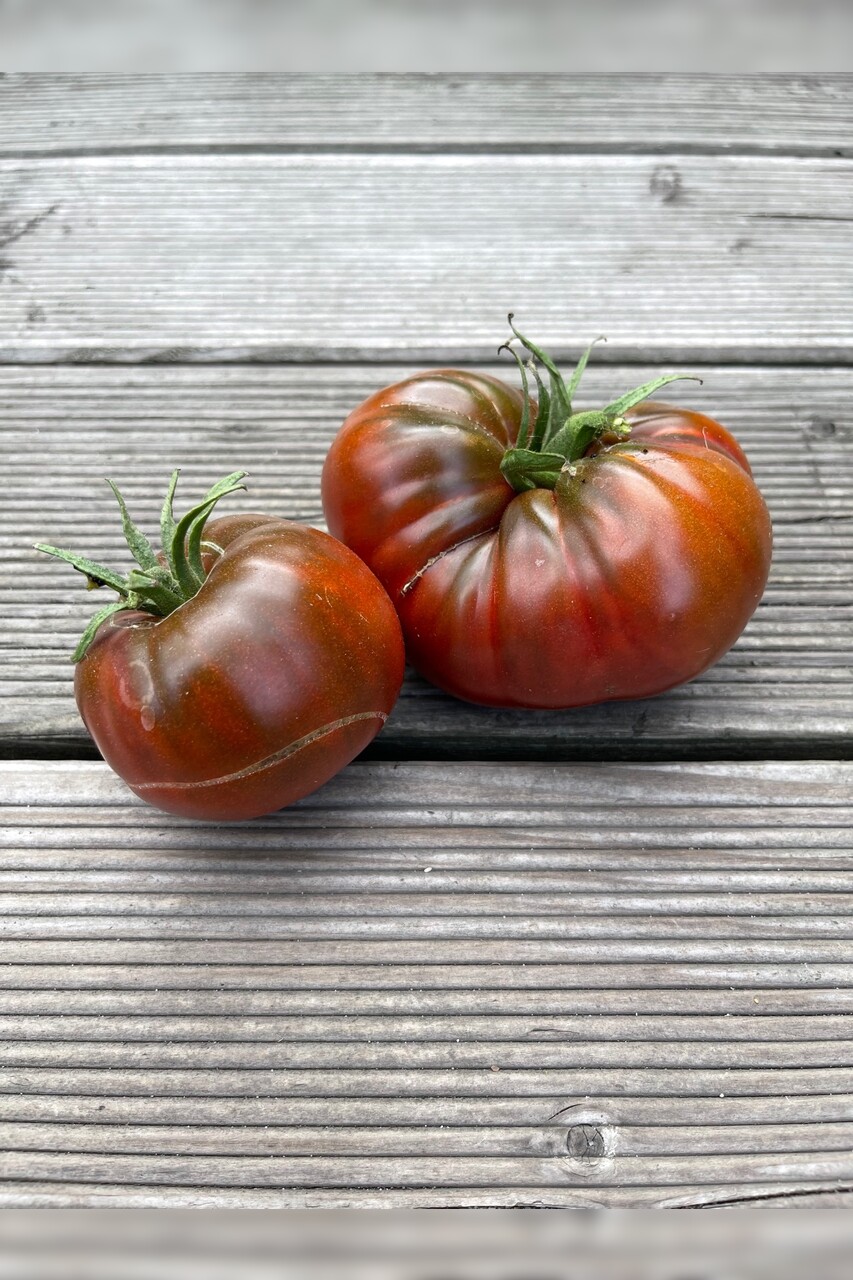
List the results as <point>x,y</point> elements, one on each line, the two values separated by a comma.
<point>253,692</point>
<point>599,556</point>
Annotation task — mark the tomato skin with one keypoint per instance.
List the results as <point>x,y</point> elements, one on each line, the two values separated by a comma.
<point>256,691</point>
<point>632,576</point>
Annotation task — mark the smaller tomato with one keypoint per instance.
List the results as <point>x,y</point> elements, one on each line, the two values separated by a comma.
<point>241,667</point>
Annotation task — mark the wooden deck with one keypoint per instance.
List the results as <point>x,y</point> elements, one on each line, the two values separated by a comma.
<point>593,958</point>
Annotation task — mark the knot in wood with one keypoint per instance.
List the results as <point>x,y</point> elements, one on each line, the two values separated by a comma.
<point>665,183</point>
<point>585,1142</point>
<point>821,428</point>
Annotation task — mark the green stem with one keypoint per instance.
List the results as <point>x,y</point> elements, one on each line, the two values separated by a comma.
<point>559,436</point>
<point>156,587</point>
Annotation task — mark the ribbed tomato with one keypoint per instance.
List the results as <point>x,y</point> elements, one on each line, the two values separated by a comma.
<point>539,557</point>
<point>239,670</point>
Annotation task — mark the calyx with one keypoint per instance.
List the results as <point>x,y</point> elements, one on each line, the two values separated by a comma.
<point>557,437</point>
<point>162,583</point>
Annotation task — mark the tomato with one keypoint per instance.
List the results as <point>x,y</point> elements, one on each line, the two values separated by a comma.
<point>539,557</point>
<point>239,670</point>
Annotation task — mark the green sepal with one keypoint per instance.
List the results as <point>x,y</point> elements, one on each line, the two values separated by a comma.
<point>167,516</point>
<point>140,548</point>
<point>97,575</point>
<point>152,587</point>
<point>558,433</point>
<point>530,469</point>
<point>117,606</point>
<point>185,551</point>
<point>156,589</point>
<point>524,425</point>
<point>580,368</point>
<point>582,428</point>
<point>543,411</point>
<point>559,401</point>
<point>630,398</point>
<point>162,591</point>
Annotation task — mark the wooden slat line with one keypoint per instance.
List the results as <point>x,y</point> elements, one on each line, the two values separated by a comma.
<point>625,928</point>
<point>332,1083</point>
<point>480,866</point>
<point>143,1027</point>
<point>437,957</point>
<point>513,975</point>
<point>493,979</point>
<point>404,1055</point>
<point>784,689</point>
<point>28,1105</point>
<point>425,1171</point>
<point>118,993</point>
<point>335,257</point>
<point>410,1140</point>
<point>97,114</point>
<point>75,1195</point>
<point>444,793</point>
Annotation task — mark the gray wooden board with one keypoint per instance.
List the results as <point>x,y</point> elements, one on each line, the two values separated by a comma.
<point>784,689</point>
<point>70,1195</point>
<point>256,256</point>
<point>448,1057</point>
<point>779,114</point>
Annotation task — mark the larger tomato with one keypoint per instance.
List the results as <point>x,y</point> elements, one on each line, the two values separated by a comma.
<point>539,557</point>
<point>241,669</point>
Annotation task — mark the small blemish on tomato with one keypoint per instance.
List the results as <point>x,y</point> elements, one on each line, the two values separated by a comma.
<point>148,718</point>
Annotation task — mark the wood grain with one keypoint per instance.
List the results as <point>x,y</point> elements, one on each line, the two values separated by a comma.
<point>784,689</point>
<point>775,114</point>
<point>477,1063</point>
<point>74,1195</point>
<point>293,256</point>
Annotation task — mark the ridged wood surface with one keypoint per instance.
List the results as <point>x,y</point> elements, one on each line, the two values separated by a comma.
<point>542,980</point>
<point>784,688</point>
<point>340,256</point>
<point>769,114</point>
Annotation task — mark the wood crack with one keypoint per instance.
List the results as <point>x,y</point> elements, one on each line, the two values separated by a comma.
<point>29,226</point>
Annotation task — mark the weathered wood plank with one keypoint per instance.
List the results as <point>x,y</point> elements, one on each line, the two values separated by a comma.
<point>117,993</point>
<point>621,1068</point>
<point>785,688</point>
<point>75,974</point>
<point>571,1084</point>
<point>429,1171</point>
<point>411,1140</point>
<point>85,114</point>
<point>74,1195</point>
<point>180,922</point>
<point>359,957</point>
<point>426,1113</point>
<point>283,1029</point>
<point>247,1056</point>
<point>289,256</point>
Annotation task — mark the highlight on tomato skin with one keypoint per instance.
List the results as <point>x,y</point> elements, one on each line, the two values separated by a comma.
<point>547,558</point>
<point>241,667</point>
